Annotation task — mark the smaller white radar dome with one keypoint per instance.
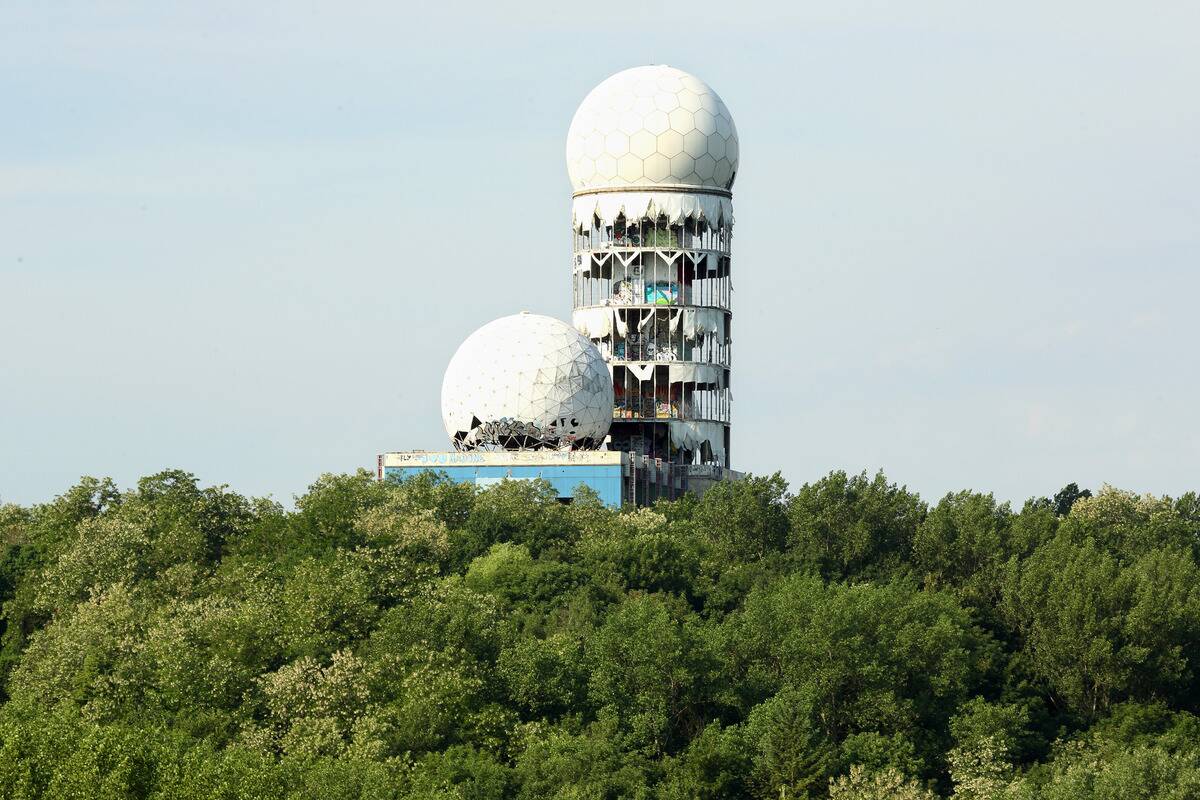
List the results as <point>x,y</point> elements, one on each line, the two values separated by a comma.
<point>527,382</point>
<point>651,127</point>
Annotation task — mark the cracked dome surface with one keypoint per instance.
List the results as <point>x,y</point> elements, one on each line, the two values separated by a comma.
<point>527,382</point>
<point>652,126</point>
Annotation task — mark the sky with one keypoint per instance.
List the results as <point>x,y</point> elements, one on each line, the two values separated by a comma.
<point>244,239</point>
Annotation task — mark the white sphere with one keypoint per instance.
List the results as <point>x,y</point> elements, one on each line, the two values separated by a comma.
<point>527,382</point>
<point>652,126</point>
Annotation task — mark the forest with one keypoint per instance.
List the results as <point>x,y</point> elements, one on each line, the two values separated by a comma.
<point>845,639</point>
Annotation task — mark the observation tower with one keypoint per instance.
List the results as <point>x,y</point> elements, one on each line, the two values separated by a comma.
<point>652,154</point>
<point>632,401</point>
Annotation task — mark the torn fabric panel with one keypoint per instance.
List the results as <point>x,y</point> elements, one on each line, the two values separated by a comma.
<point>676,206</point>
<point>594,323</point>
<point>700,374</point>
<point>690,434</point>
<point>702,322</point>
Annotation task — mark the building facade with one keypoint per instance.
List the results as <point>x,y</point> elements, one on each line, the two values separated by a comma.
<point>617,478</point>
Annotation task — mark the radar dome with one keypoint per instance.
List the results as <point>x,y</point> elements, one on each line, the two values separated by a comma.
<point>652,126</point>
<point>527,382</point>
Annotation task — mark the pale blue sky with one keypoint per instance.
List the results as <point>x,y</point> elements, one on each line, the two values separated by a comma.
<point>244,239</point>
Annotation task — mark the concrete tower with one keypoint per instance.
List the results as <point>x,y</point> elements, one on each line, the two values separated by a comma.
<point>652,154</point>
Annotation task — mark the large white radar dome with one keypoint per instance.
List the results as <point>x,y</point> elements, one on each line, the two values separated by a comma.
<point>527,382</point>
<point>650,127</point>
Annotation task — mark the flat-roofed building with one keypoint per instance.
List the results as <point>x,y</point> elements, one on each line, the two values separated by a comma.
<point>618,478</point>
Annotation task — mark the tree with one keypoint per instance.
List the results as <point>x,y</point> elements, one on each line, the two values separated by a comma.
<point>886,785</point>
<point>1066,497</point>
<point>639,550</point>
<point>989,739</point>
<point>714,766</point>
<point>521,512</point>
<point>509,572</point>
<point>885,658</point>
<point>1097,629</point>
<point>745,520</point>
<point>545,678</point>
<point>651,663</point>
<point>325,605</point>
<point>962,544</point>
<point>1079,772</point>
<point>792,751</point>
<point>597,762</point>
<point>462,772</point>
<point>1127,524</point>
<point>854,525</point>
<point>89,657</point>
<point>329,512</point>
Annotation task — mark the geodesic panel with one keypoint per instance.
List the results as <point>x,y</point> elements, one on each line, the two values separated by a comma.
<point>638,117</point>
<point>527,382</point>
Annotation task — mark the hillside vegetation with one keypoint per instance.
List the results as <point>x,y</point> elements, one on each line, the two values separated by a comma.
<point>425,640</point>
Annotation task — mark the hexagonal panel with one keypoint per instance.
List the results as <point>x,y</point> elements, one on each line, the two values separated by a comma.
<point>657,167</point>
<point>616,144</point>
<point>619,100</point>
<point>670,143</point>
<point>694,84</point>
<point>722,172</point>
<point>705,122</point>
<point>605,119</point>
<point>669,83</point>
<point>629,123</point>
<point>606,167</point>
<point>682,120</point>
<point>629,168</point>
<point>682,165</point>
<point>593,146</point>
<point>656,122</point>
<point>705,166</point>
<point>643,105</point>
<point>723,126</point>
<point>666,101</point>
<point>689,100</point>
<point>646,87</point>
<point>643,143</point>
<point>574,148</point>
<point>695,143</point>
<point>716,147</point>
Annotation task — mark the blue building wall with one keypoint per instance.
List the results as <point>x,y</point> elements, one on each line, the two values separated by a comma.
<point>603,479</point>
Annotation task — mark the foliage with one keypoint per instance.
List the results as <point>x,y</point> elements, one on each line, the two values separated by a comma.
<point>887,785</point>
<point>854,526</point>
<point>425,639</point>
<point>1098,626</point>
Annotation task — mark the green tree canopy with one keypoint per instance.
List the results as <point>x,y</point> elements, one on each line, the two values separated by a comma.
<point>425,639</point>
